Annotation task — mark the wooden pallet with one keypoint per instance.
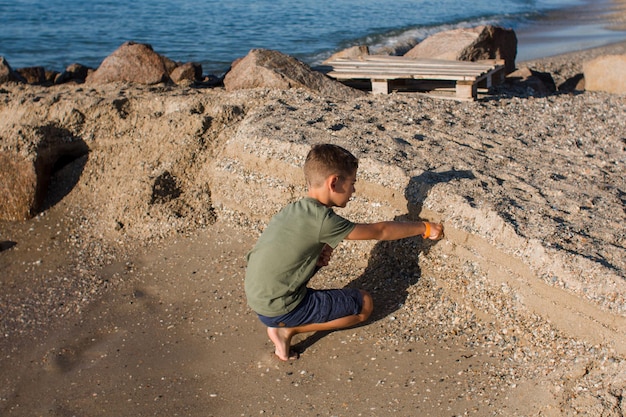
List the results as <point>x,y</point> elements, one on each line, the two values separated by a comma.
<point>385,71</point>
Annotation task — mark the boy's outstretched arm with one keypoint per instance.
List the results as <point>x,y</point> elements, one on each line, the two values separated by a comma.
<point>393,230</point>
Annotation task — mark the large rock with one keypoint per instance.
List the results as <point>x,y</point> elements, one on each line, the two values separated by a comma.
<point>352,52</point>
<point>272,69</point>
<point>7,74</point>
<point>573,84</point>
<point>73,73</point>
<point>50,76</point>
<point>606,73</point>
<point>189,72</point>
<point>541,83</point>
<point>18,186</point>
<point>33,75</point>
<point>133,63</point>
<point>470,44</point>
<point>24,178</point>
<point>444,45</point>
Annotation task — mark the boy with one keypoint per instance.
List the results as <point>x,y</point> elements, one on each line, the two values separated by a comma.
<point>300,239</point>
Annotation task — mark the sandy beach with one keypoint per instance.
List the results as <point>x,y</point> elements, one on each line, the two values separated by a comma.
<point>113,304</point>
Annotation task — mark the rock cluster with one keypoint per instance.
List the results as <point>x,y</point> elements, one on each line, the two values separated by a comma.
<point>130,63</point>
<point>139,63</point>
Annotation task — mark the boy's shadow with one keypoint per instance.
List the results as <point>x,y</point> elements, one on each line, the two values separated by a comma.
<point>393,266</point>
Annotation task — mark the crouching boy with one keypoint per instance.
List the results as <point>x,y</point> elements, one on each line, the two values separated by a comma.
<point>300,239</point>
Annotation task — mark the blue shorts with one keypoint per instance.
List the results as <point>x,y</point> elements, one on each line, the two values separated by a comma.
<point>319,306</point>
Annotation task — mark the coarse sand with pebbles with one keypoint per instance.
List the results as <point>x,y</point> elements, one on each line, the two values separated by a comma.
<point>125,295</point>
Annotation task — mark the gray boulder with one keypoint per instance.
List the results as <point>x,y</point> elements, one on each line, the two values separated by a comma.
<point>273,69</point>
<point>470,44</point>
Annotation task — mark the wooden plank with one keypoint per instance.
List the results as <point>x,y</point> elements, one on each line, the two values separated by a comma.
<point>413,68</point>
<point>400,75</point>
<point>466,68</point>
<point>391,58</point>
<point>481,68</point>
<point>407,71</point>
<point>425,63</point>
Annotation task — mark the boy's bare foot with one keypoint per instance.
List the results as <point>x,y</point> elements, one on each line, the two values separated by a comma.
<point>281,337</point>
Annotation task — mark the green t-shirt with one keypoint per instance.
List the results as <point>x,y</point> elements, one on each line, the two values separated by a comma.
<point>283,260</point>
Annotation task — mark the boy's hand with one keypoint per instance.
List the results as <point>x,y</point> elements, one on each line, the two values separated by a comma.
<point>435,231</point>
<point>324,258</point>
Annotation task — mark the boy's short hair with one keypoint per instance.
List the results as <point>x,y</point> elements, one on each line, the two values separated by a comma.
<point>326,159</point>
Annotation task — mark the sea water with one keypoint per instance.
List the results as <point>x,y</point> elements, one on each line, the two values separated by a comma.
<point>56,33</point>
